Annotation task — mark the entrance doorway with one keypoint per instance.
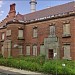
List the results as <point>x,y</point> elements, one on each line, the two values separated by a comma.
<point>50,53</point>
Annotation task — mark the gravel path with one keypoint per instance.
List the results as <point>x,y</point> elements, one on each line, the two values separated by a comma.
<point>10,70</point>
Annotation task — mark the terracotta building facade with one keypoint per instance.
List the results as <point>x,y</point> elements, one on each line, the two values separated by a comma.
<point>49,32</point>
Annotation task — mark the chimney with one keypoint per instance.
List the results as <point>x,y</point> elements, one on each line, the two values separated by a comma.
<point>12,11</point>
<point>33,5</point>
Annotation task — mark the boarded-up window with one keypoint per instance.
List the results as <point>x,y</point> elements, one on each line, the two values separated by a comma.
<point>34,32</point>
<point>20,50</point>
<point>3,36</point>
<point>27,50</point>
<point>66,29</point>
<point>42,50</point>
<point>52,30</point>
<point>20,33</point>
<point>35,50</point>
<point>66,51</point>
<point>8,33</point>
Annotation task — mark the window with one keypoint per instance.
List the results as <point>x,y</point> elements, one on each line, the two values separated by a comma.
<point>66,29</point>
<point>7,46</point>
<point>66,51</point>
<point>20,33</point>
<point>52,30</point>
<point>2,49</point>
<point>20,50</point>
<point>35,50</point>
<point>35,32</point>
<point>42,50</point>
<point>27,50</point>
<point>3,36</point>
<point>8,33</point>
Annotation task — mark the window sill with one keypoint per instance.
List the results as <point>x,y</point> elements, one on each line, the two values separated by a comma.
<point>68,58</point>
<point>66,35</point>
<point>35,37</point>
<point>20,38</point>
<point>1,40</point>
<point>8,35</point>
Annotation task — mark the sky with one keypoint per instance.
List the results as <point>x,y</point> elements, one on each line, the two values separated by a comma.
<point>23,6</point>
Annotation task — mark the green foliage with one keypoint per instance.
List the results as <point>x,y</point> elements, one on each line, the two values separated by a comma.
<point>55,66</point>
<point>39,64</point>
<point>1,56</point>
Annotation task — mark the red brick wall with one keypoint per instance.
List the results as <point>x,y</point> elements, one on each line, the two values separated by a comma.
<point>43,32</point>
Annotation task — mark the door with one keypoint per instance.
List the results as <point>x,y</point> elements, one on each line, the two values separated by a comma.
<point>50,53</point>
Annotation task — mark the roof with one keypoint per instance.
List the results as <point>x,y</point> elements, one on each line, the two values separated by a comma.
<point>50,11</point>
<point>64,8</point>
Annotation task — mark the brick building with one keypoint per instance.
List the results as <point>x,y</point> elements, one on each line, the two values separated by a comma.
<point>49,32</point>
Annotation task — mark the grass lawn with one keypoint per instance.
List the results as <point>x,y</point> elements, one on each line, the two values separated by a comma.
<point>39,64</point>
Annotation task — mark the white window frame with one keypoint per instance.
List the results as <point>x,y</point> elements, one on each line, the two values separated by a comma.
<point>3,36</point>
<point>8,33</point>
<point>52,29</point>
<point>34,50</point>
<point>20,49</point>
<point>66,29</point>
<point>35,32</point>
<point>20,33</point>
<point>28,50</point>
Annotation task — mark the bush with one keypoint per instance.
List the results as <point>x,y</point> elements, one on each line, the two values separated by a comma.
<point>1,56</point>
<point>54,66</point>
<point>34,64</point>
<point>49,67</point>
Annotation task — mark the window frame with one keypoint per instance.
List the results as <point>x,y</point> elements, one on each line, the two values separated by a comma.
<point>53,32</point>
<point>34,54</point>
<point>64,31</point>
<point>65,55</point>
<point>29,49</point>
<point>20,37</point>
<point>8,31</point>
<point>42,50</point>
<point>35,32</point>
<point>3,36</point>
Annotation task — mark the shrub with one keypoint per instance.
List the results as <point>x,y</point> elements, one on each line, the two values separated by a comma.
<point>34,64</point>
<point>49,67</point>
<point>1,56</point>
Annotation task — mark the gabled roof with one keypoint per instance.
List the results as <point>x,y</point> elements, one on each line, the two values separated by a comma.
<point>68,7</point>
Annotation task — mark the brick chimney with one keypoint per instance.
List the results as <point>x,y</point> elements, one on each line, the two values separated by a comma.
<point>12,11</point>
